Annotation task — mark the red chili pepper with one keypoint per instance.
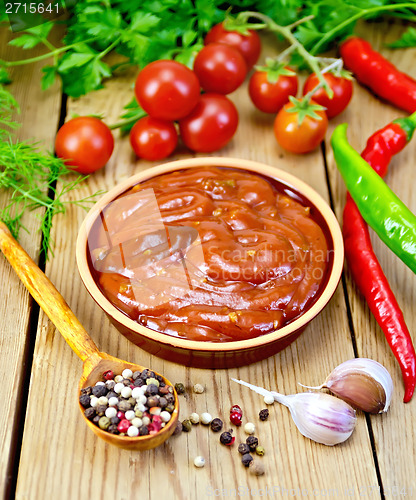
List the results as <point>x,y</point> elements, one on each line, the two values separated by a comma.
<point>363,263</point>
<point>380,75</point>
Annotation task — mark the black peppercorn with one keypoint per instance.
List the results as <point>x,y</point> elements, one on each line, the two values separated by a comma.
<point>152,390</point>
<point>99,390</point>
<point>178,429</point>
<point>113,429</point>
<point>163,402</point>
<point>246,459</point>
<point>87,390</point>
<point>114,420</point>
<point>252,442</point>
<point>170,398</point>
<point>100,409</point>
<point>152,401</point>
<point>138,382</point>
<point>159,378</point>
<point>227,438</point>
<point>90,413</point>
<point>143,431</point>
<point>126,382</point>
<point>84,400</point>
<point>124,406</point>
<point>136,375</point>
<point>112,394</point>
<point>180,388</point>
<point>96,419</point>
<point>216,425</point>
<point>145,374</point>
<point>264,414</point>
<point>243,448</point>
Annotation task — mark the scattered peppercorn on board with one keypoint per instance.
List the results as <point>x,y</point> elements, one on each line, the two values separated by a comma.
<point>46,449</point>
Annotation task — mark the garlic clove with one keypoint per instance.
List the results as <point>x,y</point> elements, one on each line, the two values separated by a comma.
<point>320,417</point>
<point>364,383</point>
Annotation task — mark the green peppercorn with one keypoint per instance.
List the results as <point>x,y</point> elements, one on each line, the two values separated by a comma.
<point>246,459</point>
<point>180,388</point>
<point>252,442</point>
<point>260,450</point>
<point>104,423</point>
<point>138,413</point>
<point>186,425</point>
<point>216,425</point>
<point>153,381</point>
<point>243,448</point>
<point>264,414</point>
<point>170,408</point>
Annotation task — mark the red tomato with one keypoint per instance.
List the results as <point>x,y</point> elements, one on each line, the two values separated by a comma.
<point>153,139</point>
<point>211,125</point>
<point>167,90</point>
<point>270,97</point>
<point>220,68</point>
<point>299,138</point>
<point>342,88</point>
<point>86,144</point>
<point>248,45</point>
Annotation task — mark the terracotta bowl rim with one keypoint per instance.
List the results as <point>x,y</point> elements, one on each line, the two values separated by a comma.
<point>253,166</point>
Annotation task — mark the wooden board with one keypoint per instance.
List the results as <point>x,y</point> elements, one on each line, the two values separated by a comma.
<point>39,117</point>
<point>394,432</point>
<point>61,456</point>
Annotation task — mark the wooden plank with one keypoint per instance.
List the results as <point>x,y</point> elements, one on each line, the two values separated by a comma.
<point>394,432</point>
<point>16,303</point>
<point>61,456</point>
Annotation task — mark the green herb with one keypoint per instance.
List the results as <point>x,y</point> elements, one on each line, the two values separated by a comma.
<point>29,176</point>
<point>408,39</point>
<point>142,32</point>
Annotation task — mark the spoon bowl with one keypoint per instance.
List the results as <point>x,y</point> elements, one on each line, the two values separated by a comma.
<point>95,362</point>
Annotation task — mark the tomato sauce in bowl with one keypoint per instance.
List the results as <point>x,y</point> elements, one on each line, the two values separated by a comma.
<point>210,254</point>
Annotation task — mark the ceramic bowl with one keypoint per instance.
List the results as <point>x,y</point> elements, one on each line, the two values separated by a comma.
<point>222,354</point>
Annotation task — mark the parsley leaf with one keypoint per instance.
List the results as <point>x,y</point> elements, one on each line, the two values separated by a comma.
<point>408,39</point>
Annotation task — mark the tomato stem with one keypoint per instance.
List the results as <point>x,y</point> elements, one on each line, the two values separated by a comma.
<point>127,121</point>
<point>286,32</point>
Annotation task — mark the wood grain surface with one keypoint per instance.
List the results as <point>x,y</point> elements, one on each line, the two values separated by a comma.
<point>62,458</point>
<point>39,115</point>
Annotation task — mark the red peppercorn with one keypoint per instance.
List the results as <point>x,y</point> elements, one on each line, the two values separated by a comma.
<point>236,409</point>
<point>236,418</point>
<point>108,375</point>
<point>123,425</point>
<point>120,415</point>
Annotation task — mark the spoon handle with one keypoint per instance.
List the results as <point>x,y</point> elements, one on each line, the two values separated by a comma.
<point>47,296</point>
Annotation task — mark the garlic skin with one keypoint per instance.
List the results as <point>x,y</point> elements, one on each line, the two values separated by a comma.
<point>320,417</point>
<point>363,383</point>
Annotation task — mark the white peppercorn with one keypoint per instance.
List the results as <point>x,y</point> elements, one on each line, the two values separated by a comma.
<point>198,389</point>
<point>194,418</point>
<point>199,462</point>
<point>206,418</point>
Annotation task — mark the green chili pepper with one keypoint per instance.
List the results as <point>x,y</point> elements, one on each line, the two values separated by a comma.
<point>383,211</point>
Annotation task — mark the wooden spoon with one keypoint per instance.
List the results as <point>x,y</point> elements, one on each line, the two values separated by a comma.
<point>95,362</point>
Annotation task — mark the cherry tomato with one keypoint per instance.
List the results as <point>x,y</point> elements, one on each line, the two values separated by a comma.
<point>299,138</point>
<point>248,45</point>
<point>220,68</point>
<point>86,144</point>
<point>342,88</point>
<point>211,125</point>
<point>167,90</point>
<point>270,97</point>
<point>153,139</point>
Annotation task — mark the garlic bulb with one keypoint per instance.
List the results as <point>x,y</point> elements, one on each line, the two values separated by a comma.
<point>318,416</point>
<point>363,383</point>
